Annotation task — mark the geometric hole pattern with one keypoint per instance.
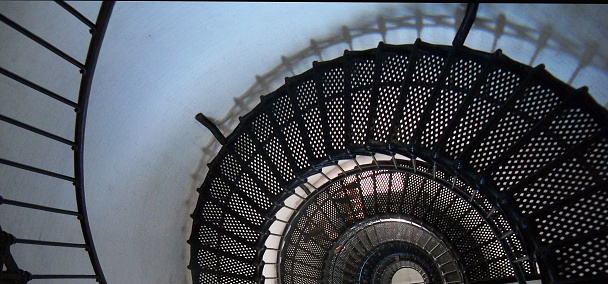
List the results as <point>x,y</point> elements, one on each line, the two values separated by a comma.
<point>510,163</point>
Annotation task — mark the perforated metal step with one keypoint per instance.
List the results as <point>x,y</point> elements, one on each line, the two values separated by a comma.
<point>503,161</point>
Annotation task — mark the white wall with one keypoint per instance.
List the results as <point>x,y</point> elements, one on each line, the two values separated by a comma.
<point>161,63</point>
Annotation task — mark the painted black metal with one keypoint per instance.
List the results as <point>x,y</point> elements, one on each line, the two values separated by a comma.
<point>412,58</point>
<point>41,41</point>
<point>103,19</point>
<point>36,170</point>
<point>77,14</point>
<point>461,111</point>
<point>539,126</point>
<point>47,243</point>
<point>38,88</point>
<point>37,207</point>
<point>515,236</point>
<point>291,84</point>
<point>429,176</point>
<point>212,127</point>
<point>436,92</point>
<point>10,272</point>
<point>571,153</point>
<point>13,273</point>
<point>483,133</point>
<point>36,130</point>
<point>467,23</point>
<point>568,200</point>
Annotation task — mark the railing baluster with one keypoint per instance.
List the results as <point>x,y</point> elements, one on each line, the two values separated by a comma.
<point>76,14</point>
<point>63,276</point>
<point>50,244</point>
<point>36,170</point>
<point>87,70</point>
<point>36,130</point>
<point>42,42</point>
<point>38,88</point>
<point>37,207</point>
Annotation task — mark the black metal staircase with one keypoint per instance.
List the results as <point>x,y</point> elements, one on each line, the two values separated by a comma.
<point>504,164</point>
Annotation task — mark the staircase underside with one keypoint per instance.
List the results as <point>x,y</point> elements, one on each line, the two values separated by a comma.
<point>502,163</point>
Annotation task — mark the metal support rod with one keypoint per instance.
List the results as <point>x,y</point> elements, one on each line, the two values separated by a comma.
<point>432,100</point>
<point>540,126</point>
<point>506,235</point>
<point>288,207</point>
<point>306,190</point>
<point>212,127</point>
<point>37,207</point>
<point>51,244</point>
<point>76,14</point>
<point>42,42</point>
<point>36,170</point>
<point>62,276</point>
<point>38,88</point>
<point>462,110</point>
<point>36,130</point>
<point>312,186</point>
<point>466,24</point>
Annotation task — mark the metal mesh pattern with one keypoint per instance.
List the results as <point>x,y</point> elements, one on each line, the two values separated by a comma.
<point>499,85</point>
<point>509,164</point>
<point>340,205</point>
<point>460,79</point>
<point>371,241</point>
<point>329,78</point>
<point>359,75</point>
<point>587,259</point>
<point>425,75</point>
<point>393,71</point>
<point>515,123</point>
<point>576,219</point>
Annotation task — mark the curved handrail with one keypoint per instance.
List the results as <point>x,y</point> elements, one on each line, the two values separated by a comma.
<point>13,272</point>
<point>83,102</point>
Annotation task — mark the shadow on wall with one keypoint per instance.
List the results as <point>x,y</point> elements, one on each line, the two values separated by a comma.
<point>408,20</point>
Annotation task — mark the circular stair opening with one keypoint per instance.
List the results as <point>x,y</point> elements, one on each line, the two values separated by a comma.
<point>407,275</point>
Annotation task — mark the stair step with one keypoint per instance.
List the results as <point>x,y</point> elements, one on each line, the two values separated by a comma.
<point>359,70</point>
<point>515,134</point>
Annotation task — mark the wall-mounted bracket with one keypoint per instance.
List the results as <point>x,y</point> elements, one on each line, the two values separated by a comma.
<point>212,127</point>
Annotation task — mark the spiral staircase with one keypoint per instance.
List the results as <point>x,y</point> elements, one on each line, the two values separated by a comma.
<point>465,166</point>
<point>460,165</point>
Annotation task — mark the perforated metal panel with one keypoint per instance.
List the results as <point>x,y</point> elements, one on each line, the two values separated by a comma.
<point>352,199</point>
<point>506,163</point>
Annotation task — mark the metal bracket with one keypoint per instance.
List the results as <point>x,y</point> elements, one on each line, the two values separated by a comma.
<point>212,127</point>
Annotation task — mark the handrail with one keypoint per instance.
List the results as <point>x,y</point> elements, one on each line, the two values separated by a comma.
<point>83,102</point>
<point>13,272</point>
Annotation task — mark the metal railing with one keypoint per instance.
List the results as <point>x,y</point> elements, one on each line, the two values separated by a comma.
<point>502,136</point>
<point>11,271</point>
